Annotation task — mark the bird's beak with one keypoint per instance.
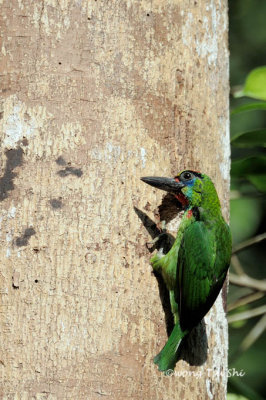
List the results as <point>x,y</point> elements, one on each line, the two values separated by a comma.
<point>167,184</point>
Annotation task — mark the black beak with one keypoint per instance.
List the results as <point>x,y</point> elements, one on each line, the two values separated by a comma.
<point>167,184</point>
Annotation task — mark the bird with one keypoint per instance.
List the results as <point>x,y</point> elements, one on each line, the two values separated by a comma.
<point>195,268</point>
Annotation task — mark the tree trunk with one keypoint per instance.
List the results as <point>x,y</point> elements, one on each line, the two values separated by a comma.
<point>97,94</point>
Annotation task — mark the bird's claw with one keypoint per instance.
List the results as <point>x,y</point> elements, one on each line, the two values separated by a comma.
<point>162,229</point>
<point>156,239</point>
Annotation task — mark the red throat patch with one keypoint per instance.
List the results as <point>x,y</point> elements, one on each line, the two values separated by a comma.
<point>183,200</point>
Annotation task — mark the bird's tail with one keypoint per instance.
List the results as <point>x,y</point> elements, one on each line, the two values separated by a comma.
<point>167,358</point>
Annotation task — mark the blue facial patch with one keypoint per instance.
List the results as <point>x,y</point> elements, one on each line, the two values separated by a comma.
<point>190,182</point>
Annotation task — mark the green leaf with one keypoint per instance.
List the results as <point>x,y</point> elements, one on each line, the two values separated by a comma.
<point>259,181</point>
<point>250,139</point>
<point>248,107</point>
<point>233,396</point>
<point>245,217</point>
<point>255,85</point>
<point>238,324</point>
<point>239,386</point>
<point>249,166</point>
<point>253,169</point>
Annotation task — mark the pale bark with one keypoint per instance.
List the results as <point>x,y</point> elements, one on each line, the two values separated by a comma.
<point>96,94</point>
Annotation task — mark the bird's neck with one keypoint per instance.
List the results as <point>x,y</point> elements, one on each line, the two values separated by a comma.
<point>209,208</point>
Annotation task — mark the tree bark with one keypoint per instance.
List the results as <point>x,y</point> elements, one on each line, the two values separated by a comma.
<point>96,94</point>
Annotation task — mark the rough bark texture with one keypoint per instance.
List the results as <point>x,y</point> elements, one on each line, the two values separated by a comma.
<point>96,94</point>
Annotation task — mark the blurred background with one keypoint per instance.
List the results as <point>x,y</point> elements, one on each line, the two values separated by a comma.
<point>246,297</point>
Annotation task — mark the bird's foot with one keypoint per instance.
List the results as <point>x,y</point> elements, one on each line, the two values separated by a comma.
<point>162,227</point>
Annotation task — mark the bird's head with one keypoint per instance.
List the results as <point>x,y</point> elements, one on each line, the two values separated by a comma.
<point>189,187</point>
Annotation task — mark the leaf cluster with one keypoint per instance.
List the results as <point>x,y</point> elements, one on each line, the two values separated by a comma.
<point>247,309</point>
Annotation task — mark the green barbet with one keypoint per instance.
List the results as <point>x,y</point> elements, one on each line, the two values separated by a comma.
<point>195,268</point>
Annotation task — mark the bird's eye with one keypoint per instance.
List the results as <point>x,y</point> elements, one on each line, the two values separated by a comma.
<point>187,175</point>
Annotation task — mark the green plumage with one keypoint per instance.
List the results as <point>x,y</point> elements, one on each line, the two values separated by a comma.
<point>195,268</point>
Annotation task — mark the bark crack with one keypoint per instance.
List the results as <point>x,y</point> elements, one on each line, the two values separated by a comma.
<point>39,34</point>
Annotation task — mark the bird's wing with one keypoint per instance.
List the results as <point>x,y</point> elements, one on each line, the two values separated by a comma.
<point>200,273</point>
